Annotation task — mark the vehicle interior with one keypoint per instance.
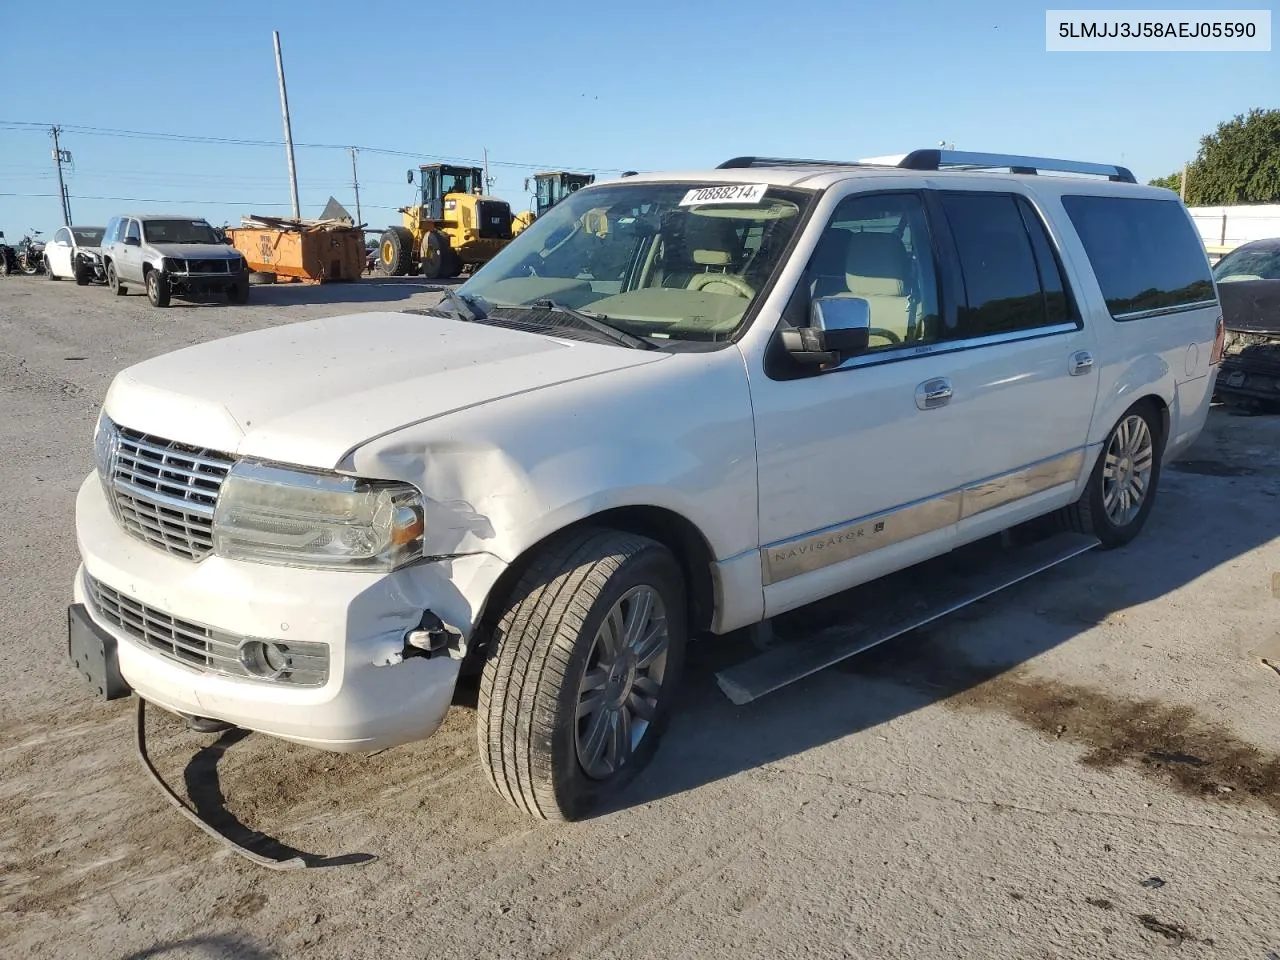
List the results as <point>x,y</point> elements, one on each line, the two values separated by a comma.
<point>687,271</point>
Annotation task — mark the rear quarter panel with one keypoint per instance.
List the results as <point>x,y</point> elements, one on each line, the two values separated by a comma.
<point>1166,356</point>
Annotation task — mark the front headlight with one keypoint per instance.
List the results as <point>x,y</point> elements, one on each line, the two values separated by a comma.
<point>298,518</point>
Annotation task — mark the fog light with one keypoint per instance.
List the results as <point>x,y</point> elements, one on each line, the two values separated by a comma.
<point>305,664</point>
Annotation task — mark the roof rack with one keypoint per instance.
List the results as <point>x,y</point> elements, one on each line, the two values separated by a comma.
<point>738,163</point>
<point>937,159</point>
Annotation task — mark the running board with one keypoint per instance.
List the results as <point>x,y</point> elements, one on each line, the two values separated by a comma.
<point>792,660</point>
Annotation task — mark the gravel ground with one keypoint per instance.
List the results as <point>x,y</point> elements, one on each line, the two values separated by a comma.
<point>1000,785</point>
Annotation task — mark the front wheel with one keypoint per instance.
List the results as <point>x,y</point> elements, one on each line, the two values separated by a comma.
<point>1122,487</point>
<point>157,288</point>
<point>581,672</point>
<point>238,292</point>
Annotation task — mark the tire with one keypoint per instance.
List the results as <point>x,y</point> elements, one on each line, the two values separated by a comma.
<point>534,748</point>
<point>157,288</point>
<point>48,271</point>
<point>239,293</point>
<point>82,275</point>
<point>395,251</point>
<point>437,256</point>
<point>261,278</point>
<point>113,281</point>
<point>28,266</point>
<point>1098,512</point>
<point>455,265</point>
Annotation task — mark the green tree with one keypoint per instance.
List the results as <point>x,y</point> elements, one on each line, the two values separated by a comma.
<point>1237,163</point>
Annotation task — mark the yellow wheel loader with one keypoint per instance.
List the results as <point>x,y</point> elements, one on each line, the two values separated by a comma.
<point>549,189</point>
<point>453,225</point>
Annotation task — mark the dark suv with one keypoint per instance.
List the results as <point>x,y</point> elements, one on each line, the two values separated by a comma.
<point>172,256</point>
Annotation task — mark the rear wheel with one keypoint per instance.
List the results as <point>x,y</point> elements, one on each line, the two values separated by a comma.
<point>157,288</point>
<point>1122,487</point>
<point>113,281</point>
<point>581,672</point>
<point>395,251</point>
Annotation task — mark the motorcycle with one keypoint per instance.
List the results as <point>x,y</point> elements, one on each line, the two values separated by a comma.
<point>31,254</point>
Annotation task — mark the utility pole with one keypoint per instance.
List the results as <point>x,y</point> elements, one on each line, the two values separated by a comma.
<point>356,184</point>
<point>60,157</point>
<point>487,182</point>
<point>1183,192</point>
<point>288,130</point>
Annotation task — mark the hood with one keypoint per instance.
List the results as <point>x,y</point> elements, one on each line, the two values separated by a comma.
<point>1251,306</point>
<point>195,251</point>
<point>309,393</point>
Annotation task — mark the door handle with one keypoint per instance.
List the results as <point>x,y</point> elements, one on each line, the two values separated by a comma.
<point>1081,362</point>
<point>933,393</point>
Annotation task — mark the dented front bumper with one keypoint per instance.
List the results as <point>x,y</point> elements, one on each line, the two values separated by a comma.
<point>379,691</point>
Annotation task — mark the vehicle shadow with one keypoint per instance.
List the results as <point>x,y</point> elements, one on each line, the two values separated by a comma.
<point>1201,520</point>
<point>220,946</point>
<point>205,790</point>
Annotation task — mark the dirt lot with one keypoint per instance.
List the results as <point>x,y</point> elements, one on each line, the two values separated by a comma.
<point>1005,785</point>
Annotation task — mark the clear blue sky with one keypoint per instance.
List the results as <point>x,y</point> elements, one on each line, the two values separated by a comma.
<point>593,86</point>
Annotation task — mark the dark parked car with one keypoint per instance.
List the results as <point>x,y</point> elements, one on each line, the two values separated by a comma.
<point>1249,290</point>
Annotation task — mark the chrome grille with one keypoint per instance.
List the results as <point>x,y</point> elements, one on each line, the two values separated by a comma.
<point>165,492</point>
<point>191,643</point>
<point>180,640</point>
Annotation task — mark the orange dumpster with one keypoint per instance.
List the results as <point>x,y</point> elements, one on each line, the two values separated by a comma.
<point>325,252</point>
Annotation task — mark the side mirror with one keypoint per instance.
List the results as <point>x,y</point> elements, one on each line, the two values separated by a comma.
<point>839,327</point>
<point>132,242</point>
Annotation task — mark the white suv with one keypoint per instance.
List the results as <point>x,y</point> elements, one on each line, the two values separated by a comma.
<point>679,403</point>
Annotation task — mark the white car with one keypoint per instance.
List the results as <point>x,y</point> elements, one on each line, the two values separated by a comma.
<point>75,253</point>
<point>679,403</point>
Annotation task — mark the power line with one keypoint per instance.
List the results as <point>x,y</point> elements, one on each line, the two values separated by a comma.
<point>224,203</point>
<point>23,125</point>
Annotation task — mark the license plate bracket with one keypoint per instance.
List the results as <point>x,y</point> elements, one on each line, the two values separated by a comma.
<point>92,652</point>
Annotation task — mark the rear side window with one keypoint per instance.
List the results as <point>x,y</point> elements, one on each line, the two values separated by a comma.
<point>1011,277</point>
<point>1145,254</point>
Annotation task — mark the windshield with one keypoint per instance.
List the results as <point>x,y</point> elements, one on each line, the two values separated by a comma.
<point>178,231</point>
<point>676,260</point>
<point>88,236</point>
<point>1258,263</point>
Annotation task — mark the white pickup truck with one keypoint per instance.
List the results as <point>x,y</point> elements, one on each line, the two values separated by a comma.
<point>679,403</point>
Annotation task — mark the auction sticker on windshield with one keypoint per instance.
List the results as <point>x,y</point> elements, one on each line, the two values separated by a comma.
<point>728,193</point>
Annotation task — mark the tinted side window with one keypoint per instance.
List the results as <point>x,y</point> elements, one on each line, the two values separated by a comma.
<point>1001,276</point>
<point>877,247</point>
<point>131,233</point>
<point>1144,253</point>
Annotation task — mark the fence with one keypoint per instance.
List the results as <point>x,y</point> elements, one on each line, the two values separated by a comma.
<point>1224,228</point>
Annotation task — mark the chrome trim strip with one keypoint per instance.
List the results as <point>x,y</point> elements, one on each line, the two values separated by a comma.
<point>1165,311</point>
<point>813,551</point>
<point>954,346</point>
<point>1031,479</point>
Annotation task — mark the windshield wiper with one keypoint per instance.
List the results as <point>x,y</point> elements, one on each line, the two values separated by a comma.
<point>597,322</point>
<point>464,307</point>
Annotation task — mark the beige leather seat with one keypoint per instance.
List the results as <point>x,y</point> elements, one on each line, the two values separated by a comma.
<point>878,269</point>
